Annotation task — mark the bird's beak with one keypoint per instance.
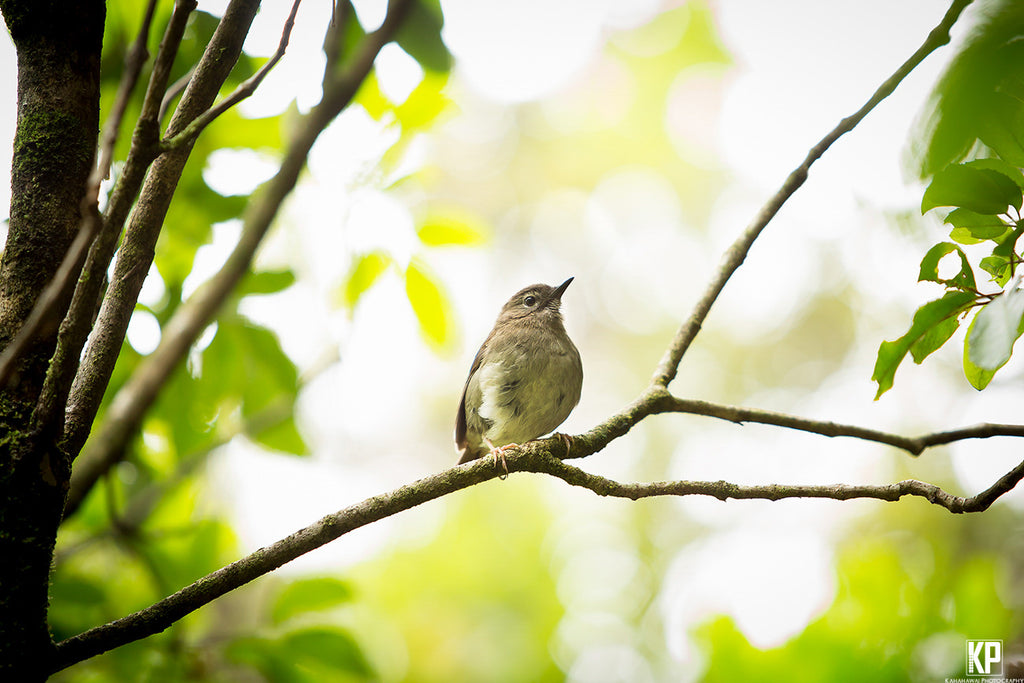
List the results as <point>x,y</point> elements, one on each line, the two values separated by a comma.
<point>557,296</point>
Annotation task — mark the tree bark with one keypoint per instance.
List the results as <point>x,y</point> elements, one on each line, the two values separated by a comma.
<point>58,46</point>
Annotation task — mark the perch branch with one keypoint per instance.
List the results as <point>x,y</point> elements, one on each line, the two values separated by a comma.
<point>913,445</point>
<point>533,457</point>
<point>164,613</point>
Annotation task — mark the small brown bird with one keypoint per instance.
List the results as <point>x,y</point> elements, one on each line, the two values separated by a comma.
<point>525,379</point>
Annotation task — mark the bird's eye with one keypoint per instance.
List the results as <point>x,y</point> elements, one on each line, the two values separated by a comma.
<point>530,300</point>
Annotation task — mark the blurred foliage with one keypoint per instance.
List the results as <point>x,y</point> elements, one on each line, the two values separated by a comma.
<point>145,530</point>
<point>480,597</point>
<point>976,112</point>
<point>424,107</point>
<point>907,601</point>
<point>475,603</point>
<point>977,103</point>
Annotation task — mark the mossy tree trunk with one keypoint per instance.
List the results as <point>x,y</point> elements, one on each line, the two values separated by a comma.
<point>58,46</point>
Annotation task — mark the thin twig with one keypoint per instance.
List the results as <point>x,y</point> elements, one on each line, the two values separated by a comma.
<point>723,490</point>
<point>49,307</point>
<point>173,90</point>
<point>735,255</point>
<point>913,445</point>
<point>246,89</point>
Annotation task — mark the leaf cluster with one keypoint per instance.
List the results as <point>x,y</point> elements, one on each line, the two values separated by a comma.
<point>978,114</point>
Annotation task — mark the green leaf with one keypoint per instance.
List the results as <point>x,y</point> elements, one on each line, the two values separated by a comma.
<point>977,377</point>
<point>420,36</point>
<point>430,305</point>
<point>364,271</point>
<point>927,317</point>
<point>933,339</point>
<point>930,263</point>
<point>995,330</point>
<point>999,166</point>
<point>425,103</point>
<point>305,595</point>
<point>1003,255</point>
<point>451,225</point>
<point>331,648</point>
<point>980,226</point>
<point>265,282</point>
<point>266,656</point>
<point>1001,127</point>
<point>372,99</point>
<point>283,435</point>
<point>997,267</point>
<point>244,368</point>
<point>930,267</point>
<point>979,95</point>
<point>963,236</point>
<point>981,190</point>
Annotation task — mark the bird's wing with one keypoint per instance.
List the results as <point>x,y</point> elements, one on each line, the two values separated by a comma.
<point>460,419</point>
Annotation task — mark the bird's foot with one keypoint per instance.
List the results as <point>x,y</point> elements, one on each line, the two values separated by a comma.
<point>498,453</point>
<point>566,439</point>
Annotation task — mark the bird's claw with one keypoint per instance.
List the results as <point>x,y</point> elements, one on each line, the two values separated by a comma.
<point>498,453</point>
<point>567,440</point>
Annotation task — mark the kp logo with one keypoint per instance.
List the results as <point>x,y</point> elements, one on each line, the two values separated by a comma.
<point>984,658</point>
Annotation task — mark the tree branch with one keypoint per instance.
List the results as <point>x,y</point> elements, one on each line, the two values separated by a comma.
<point>136,252</point>
<point>246,89</point>
<point>538,461</point>
<point>128,407</point>
<point>53,300</point>
<point>543,456</point>
<point>533,457</point>
<point>735,255</point>
<point>913,445</point>
<point>162,614</point>
<point>90,268</point>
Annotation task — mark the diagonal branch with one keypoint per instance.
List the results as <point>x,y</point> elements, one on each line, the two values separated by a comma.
<point>107,445</point>
<point>162,614</point>
<point>735,255</point>
<point>534,457</point>
<point>143,227</point>
<point>246,89</point>
<point>55,297</point>
<point>103,233</point>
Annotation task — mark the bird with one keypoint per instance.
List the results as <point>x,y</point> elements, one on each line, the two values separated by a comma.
<point>525,379</point>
